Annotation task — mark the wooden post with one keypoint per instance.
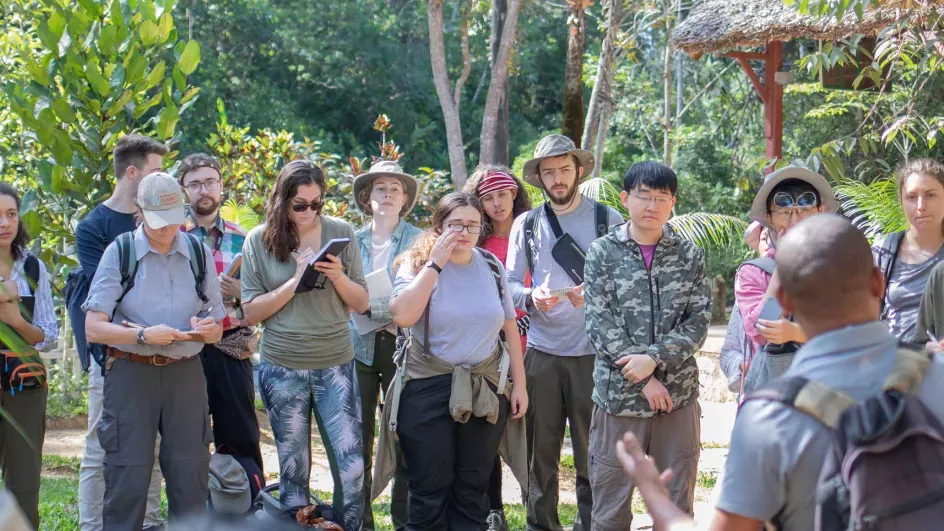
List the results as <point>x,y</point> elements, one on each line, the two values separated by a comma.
<point>770,92</point>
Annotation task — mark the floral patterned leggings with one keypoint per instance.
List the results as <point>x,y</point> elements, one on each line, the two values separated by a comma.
<point>290,396</point>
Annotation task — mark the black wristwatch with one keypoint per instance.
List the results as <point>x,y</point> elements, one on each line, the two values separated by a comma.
<point>141,339</point>
<point>432,265</point>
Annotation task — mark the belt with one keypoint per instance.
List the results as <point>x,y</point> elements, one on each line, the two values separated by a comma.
<point>156,359</point>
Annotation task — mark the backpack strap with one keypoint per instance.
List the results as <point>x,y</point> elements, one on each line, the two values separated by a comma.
<point>764,263</point>
<point>888,255</point>
<point>811,397</point>
<point>908,372</point>
<point>127,264</point>
<point>31,270</point>
<point>601,218</point>
<point>197,265</point>
<point>494,265</point>
<point>530,221</point>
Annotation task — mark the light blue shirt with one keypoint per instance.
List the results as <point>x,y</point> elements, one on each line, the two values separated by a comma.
<point>777,452</point>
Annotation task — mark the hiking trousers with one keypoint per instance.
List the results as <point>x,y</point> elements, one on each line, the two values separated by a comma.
<point>20,463</point>
<point>142,400</point>
<point>673,440</point>
<point>559,393</point>
<point>290,396</point>
<point>372,379</point>
<point>92,469</point>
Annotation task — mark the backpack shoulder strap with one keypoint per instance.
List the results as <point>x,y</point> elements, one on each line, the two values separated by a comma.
<point>888,255</point>
<point>495,267</point>
<point>811,397</point>
<point>765,263</point>
<point>197,265</point>
<point>31,270</point>
<point>602,217</point>
<point>530,221</point>
<point>127,263</point>
<point>908,372</point>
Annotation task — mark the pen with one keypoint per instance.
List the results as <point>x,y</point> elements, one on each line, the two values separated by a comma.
<point>933,338</point>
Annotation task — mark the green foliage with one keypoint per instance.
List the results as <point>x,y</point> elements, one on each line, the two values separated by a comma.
<point>874,206</point>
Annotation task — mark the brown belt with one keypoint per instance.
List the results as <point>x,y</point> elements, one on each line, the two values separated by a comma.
<point>156,359</point>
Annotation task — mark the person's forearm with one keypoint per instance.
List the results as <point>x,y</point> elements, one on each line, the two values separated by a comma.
<point>267,305</point>
<point>108,333</point>
<point>516,357</point>
<point>30,333</point>
<point>353,294</point>
<point>407,307</point>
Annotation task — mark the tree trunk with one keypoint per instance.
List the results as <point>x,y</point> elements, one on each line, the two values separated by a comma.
<point>502,135</point>
<point>450,108</point>
<point>572,119</point>
<point>498,83</point>
<point>603,85</point>
<point>667,98</point>
<point>604,127</point>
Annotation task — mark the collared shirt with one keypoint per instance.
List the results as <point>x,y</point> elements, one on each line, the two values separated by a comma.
<point>163,293</point>
<point>225,240</point>
<point>44,313</point>
<point>777,452</point>
<point>401,239</point>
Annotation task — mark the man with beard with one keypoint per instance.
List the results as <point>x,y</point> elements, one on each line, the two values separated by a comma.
<point>228,363</point>
<point>559,360</point>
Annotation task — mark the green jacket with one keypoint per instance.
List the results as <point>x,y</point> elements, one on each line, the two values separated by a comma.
<point>663,313</point>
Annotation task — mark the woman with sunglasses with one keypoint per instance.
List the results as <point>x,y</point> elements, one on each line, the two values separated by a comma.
<point>307,354</point>
<point>451,416</point>
<point>907,258</point>
<point>787,197</point>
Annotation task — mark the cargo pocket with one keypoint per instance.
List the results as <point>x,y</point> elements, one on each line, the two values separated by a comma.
<point>108,432</point>
<point>207,432</point>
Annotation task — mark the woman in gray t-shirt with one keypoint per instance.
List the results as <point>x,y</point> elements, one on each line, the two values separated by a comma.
<point>443,273</point>
<point>908,264</point>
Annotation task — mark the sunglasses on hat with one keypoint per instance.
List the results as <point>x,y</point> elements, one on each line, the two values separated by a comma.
<point>805,200</point>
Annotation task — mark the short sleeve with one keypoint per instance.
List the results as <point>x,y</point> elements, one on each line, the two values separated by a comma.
<point>507,303</point>
<point>212,288</point>
<point>405,275</point>
<point>353,265</point>
<point>106,284</point>
<point>251,270</point>
<point>44,314</point>
<point>615,217</point>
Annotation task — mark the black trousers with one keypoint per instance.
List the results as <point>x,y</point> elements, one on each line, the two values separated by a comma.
<point>450,462</point>
<point>232,400</point>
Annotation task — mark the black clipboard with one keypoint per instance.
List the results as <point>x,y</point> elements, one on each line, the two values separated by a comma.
<point>314,279</point>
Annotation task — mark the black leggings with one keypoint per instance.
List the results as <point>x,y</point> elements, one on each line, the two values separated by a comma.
<point>495,487</point>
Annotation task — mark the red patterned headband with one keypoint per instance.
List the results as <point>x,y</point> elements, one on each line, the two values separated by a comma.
<point>495,181</point>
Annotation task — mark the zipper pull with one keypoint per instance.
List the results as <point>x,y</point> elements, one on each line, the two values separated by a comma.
<point>21,385</point>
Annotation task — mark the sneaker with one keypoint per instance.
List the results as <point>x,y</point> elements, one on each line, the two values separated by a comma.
<point>496,521</point>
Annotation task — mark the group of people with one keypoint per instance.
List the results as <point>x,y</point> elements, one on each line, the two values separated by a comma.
<point>482,338</point>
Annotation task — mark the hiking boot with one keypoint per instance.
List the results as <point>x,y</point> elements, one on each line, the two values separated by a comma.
<point>496,521</point>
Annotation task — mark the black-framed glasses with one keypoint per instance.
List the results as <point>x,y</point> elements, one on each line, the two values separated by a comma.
<point>315,206</point>
<point>458,227</point>
<point>211,185</point>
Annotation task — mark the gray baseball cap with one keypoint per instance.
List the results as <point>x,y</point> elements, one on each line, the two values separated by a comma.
<point>229,485</point>
<point>161,200</point>
<point>555,146</point>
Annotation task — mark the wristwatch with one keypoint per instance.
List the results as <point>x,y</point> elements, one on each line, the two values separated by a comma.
<point>432,265</point>
<point>141,339</point>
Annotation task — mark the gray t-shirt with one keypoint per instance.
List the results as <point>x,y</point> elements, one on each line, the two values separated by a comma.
<point>777,452</point>
<point>560,331</point>
<point>467,314</point>
<point>905,289</point>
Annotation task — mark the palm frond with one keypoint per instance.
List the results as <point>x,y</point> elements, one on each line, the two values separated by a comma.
<point>600,190</point>
<point>874,207</point>
<point>709,230</point>
<point>242,215</point>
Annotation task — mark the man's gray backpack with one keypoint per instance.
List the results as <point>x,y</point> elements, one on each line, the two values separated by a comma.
<point>885,468</point>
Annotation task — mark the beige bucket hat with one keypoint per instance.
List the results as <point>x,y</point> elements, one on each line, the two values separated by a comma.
<point>826,195</point>
<point>386,168</point>
<point>555,146</point>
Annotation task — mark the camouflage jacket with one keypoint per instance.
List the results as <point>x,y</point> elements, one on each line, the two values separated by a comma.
<point>663,313</point>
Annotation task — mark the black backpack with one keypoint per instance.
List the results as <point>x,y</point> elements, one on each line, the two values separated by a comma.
<point>887,256</point>
<point>885,468</point>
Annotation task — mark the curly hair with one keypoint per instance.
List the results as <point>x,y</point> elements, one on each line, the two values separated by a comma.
<point>418,253</point>
<point>928,166</point>
<point>18,247</point>
<point>280,236</point>
<point>522,201</point>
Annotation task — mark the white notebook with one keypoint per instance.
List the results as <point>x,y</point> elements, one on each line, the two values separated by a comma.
<point>378,287</point>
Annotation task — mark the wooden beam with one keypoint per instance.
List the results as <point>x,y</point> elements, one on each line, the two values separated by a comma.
<point>755,80</point>
<point>773,105</point>
<point>752,56</point>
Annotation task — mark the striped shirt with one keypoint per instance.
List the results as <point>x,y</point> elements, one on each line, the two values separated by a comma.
<point>225,240</point>
<point>44,313</point>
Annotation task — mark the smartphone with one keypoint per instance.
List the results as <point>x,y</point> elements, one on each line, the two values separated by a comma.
<point>772,310</point>
<point>234,266</point>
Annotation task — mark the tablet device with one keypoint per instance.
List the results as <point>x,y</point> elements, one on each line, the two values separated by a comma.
<point>772,310</point>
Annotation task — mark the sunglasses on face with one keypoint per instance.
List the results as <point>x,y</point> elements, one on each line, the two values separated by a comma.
<point>315,206</point>
<point>785,200</point>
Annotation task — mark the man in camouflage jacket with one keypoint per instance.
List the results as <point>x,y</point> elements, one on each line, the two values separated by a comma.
<point>648,306</point>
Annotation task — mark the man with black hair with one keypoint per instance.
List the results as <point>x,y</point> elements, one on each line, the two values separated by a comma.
<point>135,156</point>
<point>559,359</point>
<point>648,304</point>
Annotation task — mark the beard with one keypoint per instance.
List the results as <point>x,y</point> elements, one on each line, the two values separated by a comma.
<point>566,200</point>
<point>206,206</point>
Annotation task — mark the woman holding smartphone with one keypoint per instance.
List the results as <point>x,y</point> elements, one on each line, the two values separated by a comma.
<point>307,355</point>
<point>455,298</point>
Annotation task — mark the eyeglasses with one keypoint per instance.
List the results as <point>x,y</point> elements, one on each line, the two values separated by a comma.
<point>315,206</point>
<point>658,201</point>
<point>804,205</point>
<point>458,227</point>
<point>212,185</point>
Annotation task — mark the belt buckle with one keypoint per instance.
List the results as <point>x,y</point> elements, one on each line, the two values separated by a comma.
<point>156,364</point>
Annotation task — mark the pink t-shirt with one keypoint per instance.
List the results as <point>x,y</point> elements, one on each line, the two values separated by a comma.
<point>648,251</point>
<point>498,245</point>
<point>750,290</point>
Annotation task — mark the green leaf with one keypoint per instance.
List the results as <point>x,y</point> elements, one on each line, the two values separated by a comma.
<point>146,8</point>
<point>95,78</point>
<point>136,69</point>
<point>58,180</point>
<point>38,73</point>
<point>63,110</point>
<point>106,40</point>
<point>190,95</point>
<point>155,76</point>
<point>166,25</point>
<point>189,58</point>
<point>119,104</point>
<point>167,122</point>
<point>144,107</point>
<point>115,15</point>
<point>92,7</point>
<point>150,32</point>
<point>45,173</point>
<point>33,224</point>
<point>62,149</point>
<point>179,81</point>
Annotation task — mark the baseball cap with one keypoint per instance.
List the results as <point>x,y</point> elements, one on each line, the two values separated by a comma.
<point>161,200</point>
<point>229,485</point>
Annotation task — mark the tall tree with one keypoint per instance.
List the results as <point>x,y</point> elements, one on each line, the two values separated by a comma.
<point>449,98</point>
<point>667,120</point>
<point>497,89</point>
<point>601,99</point>
<point>572,117</point>
<point>501,150</point>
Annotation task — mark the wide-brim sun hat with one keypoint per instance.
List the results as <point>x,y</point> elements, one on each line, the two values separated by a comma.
<point>827,197</point>
<point>556,146</point>
<point>386,168</point>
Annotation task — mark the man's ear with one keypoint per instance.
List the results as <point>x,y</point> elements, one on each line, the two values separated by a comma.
<point>786,302</point>
<point>624,198</point>
<point>877,283</point>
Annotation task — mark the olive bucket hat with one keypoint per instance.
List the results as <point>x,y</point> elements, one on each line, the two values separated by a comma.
<point>555,146</point>
<point>386,168</point>
<point>827,197</point>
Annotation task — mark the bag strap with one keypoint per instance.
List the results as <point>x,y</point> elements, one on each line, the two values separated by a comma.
<point>764,263</point>
<point>198,265</point>
<point>530,221</point>
<point>602,218</point>
<point>31,270</point>
<point>552,220</point>
<point>908,372</point>
<point>889,254</point>
<point>127,264</point>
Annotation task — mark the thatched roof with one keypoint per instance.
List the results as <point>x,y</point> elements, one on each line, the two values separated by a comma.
<point>715,25</point>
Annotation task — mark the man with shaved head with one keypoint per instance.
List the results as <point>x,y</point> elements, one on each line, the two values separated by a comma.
<point>826,278</point>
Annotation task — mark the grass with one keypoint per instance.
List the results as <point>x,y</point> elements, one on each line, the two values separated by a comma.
<point>712,445</point>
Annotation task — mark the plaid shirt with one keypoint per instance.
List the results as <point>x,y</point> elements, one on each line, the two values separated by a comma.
<point>225,241</point>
